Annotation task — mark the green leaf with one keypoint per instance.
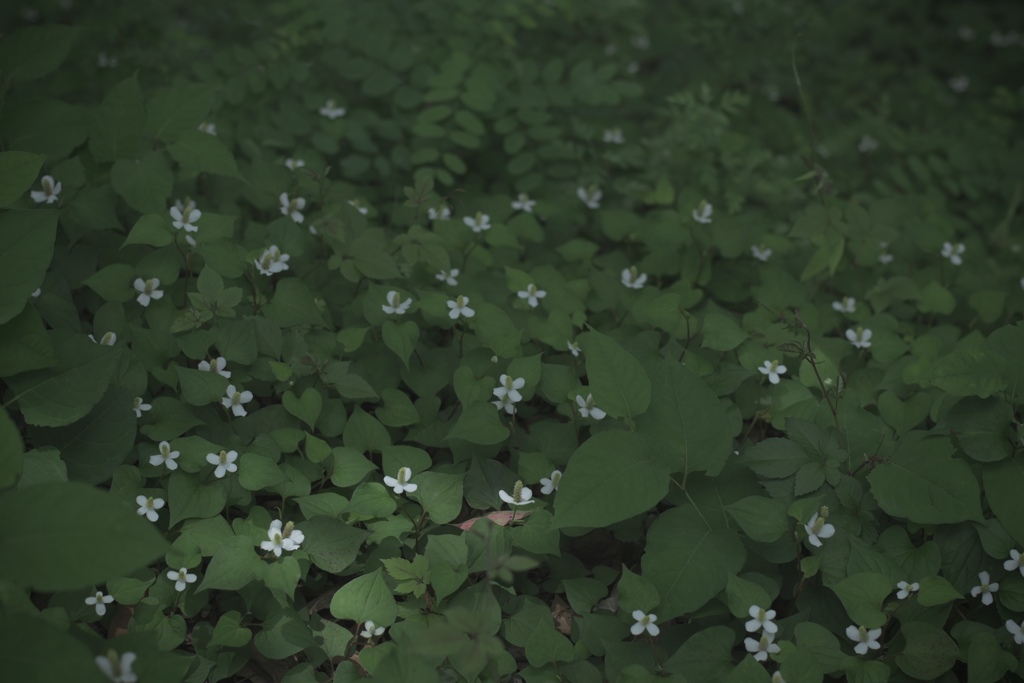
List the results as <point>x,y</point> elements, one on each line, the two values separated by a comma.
<point>257,472</point>
<point>69,536</point>
<point>365,598</point>
<point>546,645</point>
<point>981,427</point>
<point>144,183</point>
<point>440,495</point>
<point>479,424</point>
<point>178,109</point>
<point>38,650</point>
<point>705,656</point>
<point>721,333</point>
<point>331,544</point>
<point>200,387</point>
<point>862,595</point>
<point>19,171</point>
<point>924,484</point>
<point>635,592</point>
<point>934,298</point>
<point>964,372</point>
<point>200,152</point>
<point>618,380</point>
<point>24,344</point>
<point>929,652</point>
<point>234,566</point>
<point>21,56</point>
<point>821,644</point>
<point>282,576</point>
<point>987,661</point>
<point>401,338</point>
<point>935,590</point>
<point>306,408</point>
<point>496,330</point>
<point>1004,482</point>
<point>26,249</point>
<point>41,466</point>
<point>13,450</point>
<point>229,631</point>
<point>609,478</point>
<point>293,305</point>
<point>749,670</point>
<point>152,229</point>
<point>743,594</point>
<point>762,519</point>
<point>117,123</point>
<point>775,458</point>
<point>188,497</point>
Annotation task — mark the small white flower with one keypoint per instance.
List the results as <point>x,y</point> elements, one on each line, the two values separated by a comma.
<point>574,348</point>
<point>817,529</point>
<point>287,538</point>
<point>448,276</point>
<point>294,164</point>
<point>165,457</point>
<point>460,306</point>
<point>588,409</point>
<point>400,483</point>
<point>1016,561</point>
<point>846,305</point>
<point>218,365</point>
<point>235,400</point>
<point>644,622</point>
<point>272,261</point>
<point>773,370</point>
<point>395,305</point>
<point>521,495</point>
<point>148,507</point>
<point>865,639</point>
<point>208,128</point>
<point>885,258</point>
<point>100,602</point>
<point>532,294</point>
<point>225,462</point>
<point>35,294</point>
<point>761,619</point>
<point>118,668</point>
<point>761,648</point>
<point>505,403</point>
<point>861,338</point>
<point>953,252</point>
<point>185,216</point>
<point>761,252</point>
<point>550,484</point>
<point>633,278</point>
<point>984,589</point>
<point>479,223</point>
<point>292,207</point>
<point>612,136</point>
<point>777,677</point>
<point>371,630</point>
<point>1017,630</point>
<point>181,578</point>
<point>148,290</point>
<point>510,387</point>
<point>105,61</point>
<point>591,196</point>
<point>905,589</point>
<point>331,110</point>
<point>108,339</point>
<point>959,83</point>
<point>50,192</point>
<point>439,215</point>
<point>702,214</point>
<point>524,203</point>
<point>867,144</point>
<point>357,205</point>
<point>139,407</point>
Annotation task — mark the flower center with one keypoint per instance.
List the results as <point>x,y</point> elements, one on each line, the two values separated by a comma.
<point>820,522</point>
<point>555,478</point>
<point>863,634</point>
<point>460,302</point>
<point>517,491</point>
<point>403,475</point>
<point>224,454</point>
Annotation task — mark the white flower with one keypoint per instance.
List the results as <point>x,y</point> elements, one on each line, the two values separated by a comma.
<point>761,648</point>
<point>885,258</point>
<point>521,495</point>
<point>478,223</point>
<point>225,462</point>
<point>395,305</point>
<point>612,136</point>
<point>208,128</point>
<point>439,215</point>
<point>234,400</point>
<point>817,529</point>
<point>574,348</point>
<point>847,305</point>
<point>644,622</point>
<point>148,290</point>
<point>139,407</point>
<point>108,339</point>
<point>632,278</point>
<point>959,83</point>
<point>591,196</point>
<point>292,207</point>
<point>104,61</point>
<point>287,538</point>
<point>867,144</point>
<point>185,216</point>
<point>293,164</point>
<point>777,677</point>
<point>773,370</point>
<point>905,589</point>
<point>148,507</point>
<point>331,110</point>
<point>100,602</point>
<point>165,457</point>
<point>505,403</point>
<point>35,294</point>
<point>448,276</point>
<point>217,366</point>
<point>532,294</point>
<point>702,214</point>
<point>1016,561</point>
<point>953,251</point>
<point>588,409</point>
<point>550,485</point>
<point>371,630</point>
<point>460,306</point>
<point>1017,630</point>
<point>510,387</point>
<point>50,192</point>
<point>181,578</point>
<point>860,338</point>
<point>524,203</point>
<point>985,589</point>
<point>357,205</point>
<point>117,668</point>
<point>761,252</point>
<point>761,619</point>
<point>400,483</point>
<point>272,261</point>
<point>865,639</point>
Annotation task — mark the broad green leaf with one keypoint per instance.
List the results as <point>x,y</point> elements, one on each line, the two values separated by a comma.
<point>45,126</point>
<point>617,379</point>
<point>721,333</point>
<point>22,57</point>
<point>145,183</point>
<point>233,566</point>
<point>306,408</point>
<point>964,372</point>
<point>775,458</point>
<point>200,387</point>
<point>496,330</point>
<point>862,595</point>
<point>546,645</point>
<point>24,344</point>
<point>42,466</point>
<point>283,635</point>
<point>37,650</point>
<point>609,478</point>
<point>821,644</point>
<point>176,110</point>
<point>13,450</point>
<point>229,631</point>
<point>1004,482</point>
<point>26,249</point>
<point>198,151</point>
<point>152,229</point>
<point>749,670</point>
<point>188,497</point>
<point>635,592</point>
<point>761,518</point>
<point>929,652</point>
<point>293,304</point>
<point>69,536</point>
<point>987,661</point>
<point>742,595</point>
<point>117,123</point>
<point>479,424</point>
<point>282,576</point>
<point>401,338</point>
<point>981,427</point>
<point>935,590</point>
<point>331,544</point>
<point>440,495</point>
<point>19,171</point>
<point>934,298</point>
<point>257,472</point>
<point>705,656</point>
<point>365,598</point>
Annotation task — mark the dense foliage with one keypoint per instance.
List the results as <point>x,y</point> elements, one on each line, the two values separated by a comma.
<point>565,340</point>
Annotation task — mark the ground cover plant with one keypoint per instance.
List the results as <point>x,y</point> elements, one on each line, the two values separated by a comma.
<point>617,340</point>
